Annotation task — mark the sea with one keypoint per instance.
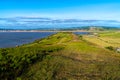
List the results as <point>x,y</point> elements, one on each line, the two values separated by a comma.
<point>13,39</point>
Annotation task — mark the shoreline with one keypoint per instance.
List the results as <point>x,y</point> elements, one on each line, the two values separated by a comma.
<point>44,31</point>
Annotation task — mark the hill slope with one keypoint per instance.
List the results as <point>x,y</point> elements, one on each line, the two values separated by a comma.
<point>63,56</point>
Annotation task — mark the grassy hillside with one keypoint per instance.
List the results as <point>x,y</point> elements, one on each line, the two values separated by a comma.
<point>62,56</point>
<point>105,39</point>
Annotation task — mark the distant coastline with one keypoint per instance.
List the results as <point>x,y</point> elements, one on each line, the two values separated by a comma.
<point>44,31</point>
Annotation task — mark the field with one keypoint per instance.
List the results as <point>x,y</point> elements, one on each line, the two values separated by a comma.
<point>105,39</point>
<point>62,56</point>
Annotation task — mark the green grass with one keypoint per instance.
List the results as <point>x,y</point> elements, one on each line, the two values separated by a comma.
<point>62,56</point>
<point>111,34</point>
<point>105,39</point>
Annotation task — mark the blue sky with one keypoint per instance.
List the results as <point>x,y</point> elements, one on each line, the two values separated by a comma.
<point>80,9</point>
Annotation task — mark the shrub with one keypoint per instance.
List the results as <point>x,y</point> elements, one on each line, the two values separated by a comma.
<point>110,48</point>
<point>81,37</point>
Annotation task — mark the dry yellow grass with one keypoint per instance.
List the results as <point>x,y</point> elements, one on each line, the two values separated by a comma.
<point>106,39</point>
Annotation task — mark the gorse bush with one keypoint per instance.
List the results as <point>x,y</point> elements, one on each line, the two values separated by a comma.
<point>110,48</point>
<point>14,61</point>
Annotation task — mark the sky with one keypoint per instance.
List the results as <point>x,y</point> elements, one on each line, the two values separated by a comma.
<point>77,9</point>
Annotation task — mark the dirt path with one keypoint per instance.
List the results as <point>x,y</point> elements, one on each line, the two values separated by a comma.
<point>75,37</point>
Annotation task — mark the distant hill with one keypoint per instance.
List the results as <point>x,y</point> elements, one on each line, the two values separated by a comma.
<point>82,28</point>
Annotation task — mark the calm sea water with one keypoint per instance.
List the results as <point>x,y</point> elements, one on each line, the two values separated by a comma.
<point>81,33</point>
<point>11,39</point>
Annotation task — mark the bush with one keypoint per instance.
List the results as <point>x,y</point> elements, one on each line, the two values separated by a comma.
<point>14,61</point>
<point>110,48</point>
<point>81,37</point>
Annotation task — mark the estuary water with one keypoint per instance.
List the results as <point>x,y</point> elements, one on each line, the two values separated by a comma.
<point>11,39</point>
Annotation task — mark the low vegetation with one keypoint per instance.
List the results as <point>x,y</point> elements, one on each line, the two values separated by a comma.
<point>62,56</point>
<point>105,39</point>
